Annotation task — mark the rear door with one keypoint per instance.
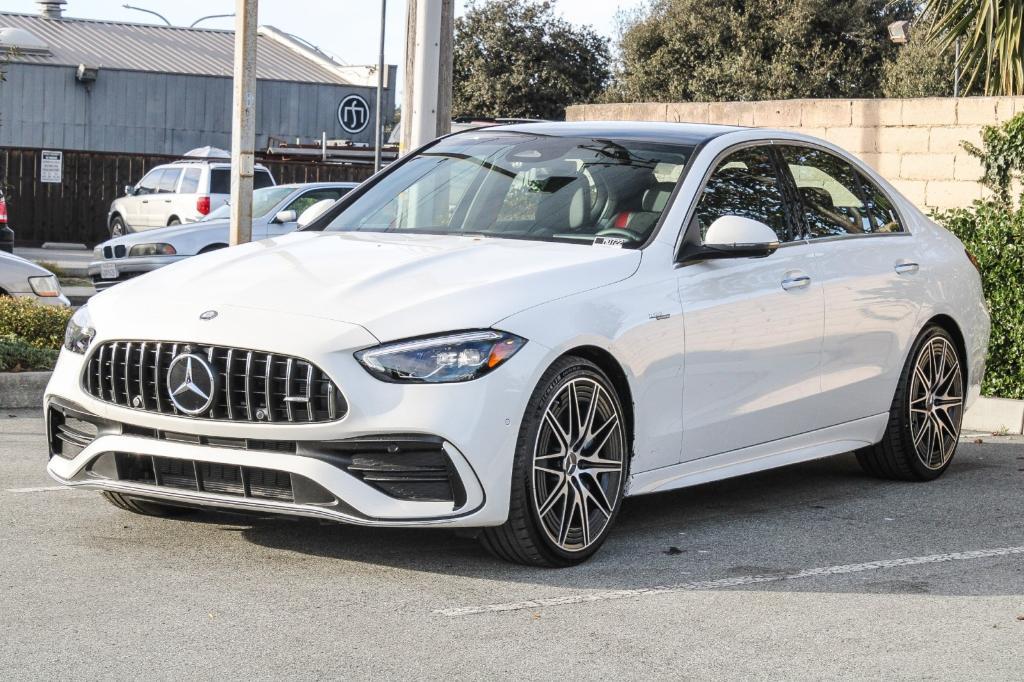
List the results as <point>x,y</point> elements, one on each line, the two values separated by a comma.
<point>871,279</point>
<point>753,326</point>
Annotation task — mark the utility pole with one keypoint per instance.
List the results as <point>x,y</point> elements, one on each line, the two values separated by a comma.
<point>379,132</point>
<point>243,121</point>
<point>427,100</point>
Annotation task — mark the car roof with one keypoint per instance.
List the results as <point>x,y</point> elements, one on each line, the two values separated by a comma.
<point>645,131</point>
<point>305,185</point>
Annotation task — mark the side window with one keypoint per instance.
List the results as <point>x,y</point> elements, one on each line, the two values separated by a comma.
<point>261,179</point>
<point>190,183</point>
<point>829,191</point>
<point>220,181</point>
<point>745,183</point>
<point>880,216</point>
<point>303,202</point>
<point>148,184</point>
<point>168,182</point>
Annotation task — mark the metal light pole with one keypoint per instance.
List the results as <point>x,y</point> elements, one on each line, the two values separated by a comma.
<point>243,121</point>
<point>379,133</point>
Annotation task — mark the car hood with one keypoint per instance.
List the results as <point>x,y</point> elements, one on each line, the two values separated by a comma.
<point>179,236</point>
<point>395,286</point>
<point>10,264</point>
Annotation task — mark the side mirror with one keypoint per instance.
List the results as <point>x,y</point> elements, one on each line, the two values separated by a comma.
<point>733,236</point>
<point>315,211</point>
<point>286,217</point>
<point>129,190</point>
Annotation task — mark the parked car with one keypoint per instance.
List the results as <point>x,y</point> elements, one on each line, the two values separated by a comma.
<point>6,233</point>
<point>176,193</point>
<point>514,328</point>
<point>24,279</point>
<point>277,210</point>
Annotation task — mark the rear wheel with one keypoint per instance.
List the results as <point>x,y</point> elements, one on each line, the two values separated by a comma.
<point>138,505</point>
<point>117,227</point>
<point>926,413</point>
<point>569,472</point>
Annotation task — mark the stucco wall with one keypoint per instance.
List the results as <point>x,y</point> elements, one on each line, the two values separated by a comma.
<point>914,143</point>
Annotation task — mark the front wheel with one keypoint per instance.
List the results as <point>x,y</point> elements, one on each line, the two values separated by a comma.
<point>570,469</point>
<point>118,227</point>
<point>926,413</point>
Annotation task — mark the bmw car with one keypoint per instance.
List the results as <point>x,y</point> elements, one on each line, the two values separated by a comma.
<point>513,329</point>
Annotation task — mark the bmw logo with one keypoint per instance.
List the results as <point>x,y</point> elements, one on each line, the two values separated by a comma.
<point>192,383</point>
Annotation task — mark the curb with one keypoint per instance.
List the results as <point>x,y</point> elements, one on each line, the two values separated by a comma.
<point>995,415</point>
<point>19,390</point>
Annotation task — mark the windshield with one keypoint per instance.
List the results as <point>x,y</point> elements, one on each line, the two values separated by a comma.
<point>262,201</point>
<point>523,186</point>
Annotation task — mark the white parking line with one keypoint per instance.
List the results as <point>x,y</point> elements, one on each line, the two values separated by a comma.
<point>44,489</point>
<point>730,582</point>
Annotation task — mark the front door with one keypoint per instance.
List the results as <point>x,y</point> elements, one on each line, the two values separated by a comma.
<point>753,326</point>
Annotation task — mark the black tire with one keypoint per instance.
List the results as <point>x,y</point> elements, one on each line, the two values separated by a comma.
<point>900,456</point>
<point>118,228</point>
<point>526,536</point>
<point>138,505</point>
<point>173,221</point>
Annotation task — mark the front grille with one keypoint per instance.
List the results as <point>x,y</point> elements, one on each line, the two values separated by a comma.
<point>403,467</point>
<point>254,386</point>
<point>208,477</point>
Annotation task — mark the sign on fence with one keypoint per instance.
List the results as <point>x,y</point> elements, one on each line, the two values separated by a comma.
<point>51,166</point>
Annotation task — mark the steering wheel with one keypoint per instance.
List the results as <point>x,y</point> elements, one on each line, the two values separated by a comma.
<point>620,232</point>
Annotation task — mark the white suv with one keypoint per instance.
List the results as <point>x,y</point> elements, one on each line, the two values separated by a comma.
<point>175,193</point>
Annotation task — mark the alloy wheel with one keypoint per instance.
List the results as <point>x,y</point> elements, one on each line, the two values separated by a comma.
<point>936,403</point>
<point>578,464</point>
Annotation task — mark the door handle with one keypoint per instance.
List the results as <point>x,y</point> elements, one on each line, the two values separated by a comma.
<point>796,281</point>
<point>906,267</point>
<point>145,201</point>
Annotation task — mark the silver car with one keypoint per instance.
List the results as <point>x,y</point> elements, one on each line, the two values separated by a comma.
<point>24,279</point>
<point>276,210</point>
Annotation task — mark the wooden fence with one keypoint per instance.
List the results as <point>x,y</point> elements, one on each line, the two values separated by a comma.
<point>75,210</point>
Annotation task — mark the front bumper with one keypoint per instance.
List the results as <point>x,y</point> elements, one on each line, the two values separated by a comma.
<point>474,424</point>
<point>127,268</point>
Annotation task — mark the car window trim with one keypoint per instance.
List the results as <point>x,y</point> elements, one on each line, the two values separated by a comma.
<point>858,167</point>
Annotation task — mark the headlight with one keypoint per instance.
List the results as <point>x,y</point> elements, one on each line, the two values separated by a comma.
<point>46,286</point>
<point>441,359</point>
<point>80,332</point>
<point>140,250</point>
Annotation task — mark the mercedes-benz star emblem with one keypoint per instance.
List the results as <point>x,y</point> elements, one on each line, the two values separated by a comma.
<point>192,383</point>
<point>208,315</point>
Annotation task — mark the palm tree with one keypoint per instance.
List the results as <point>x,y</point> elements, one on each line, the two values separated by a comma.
<point>991,35</point>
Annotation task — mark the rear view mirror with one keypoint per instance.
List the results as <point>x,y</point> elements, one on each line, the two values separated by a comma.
<point>733,236</point>
<point>285,217</point>
<point>315,211</point>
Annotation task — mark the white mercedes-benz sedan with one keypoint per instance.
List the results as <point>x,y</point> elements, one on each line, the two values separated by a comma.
<point>514,328</point>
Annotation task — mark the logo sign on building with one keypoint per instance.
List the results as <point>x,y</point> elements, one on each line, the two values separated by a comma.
<point>51,167</point>
<point>354,114</point>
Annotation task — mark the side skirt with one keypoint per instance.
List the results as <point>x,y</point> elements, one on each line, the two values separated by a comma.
<point>834,440</point>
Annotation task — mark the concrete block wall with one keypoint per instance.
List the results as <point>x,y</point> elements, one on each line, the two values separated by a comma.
<point>913,143</point>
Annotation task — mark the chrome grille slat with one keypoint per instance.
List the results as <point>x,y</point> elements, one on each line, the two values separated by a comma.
<point>132,374</point>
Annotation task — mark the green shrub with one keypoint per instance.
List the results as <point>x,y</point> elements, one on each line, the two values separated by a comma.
<point>993,231</point>
<point>38,325</point>
<point>18,356</point>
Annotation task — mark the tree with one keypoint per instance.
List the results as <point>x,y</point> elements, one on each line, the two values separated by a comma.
<point>517,59</point>
<point>696,50</point>
<point>921,68</point>
<point>991,35</point>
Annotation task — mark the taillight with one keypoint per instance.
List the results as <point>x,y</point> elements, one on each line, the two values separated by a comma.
<point>203,205</point>
<point>974,261</point>
<point>3,212</point>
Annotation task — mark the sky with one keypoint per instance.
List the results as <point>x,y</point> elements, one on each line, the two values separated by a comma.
<point>347,29</point>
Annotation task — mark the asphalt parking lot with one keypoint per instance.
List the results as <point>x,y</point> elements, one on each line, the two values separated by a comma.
<point>809,571</point>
